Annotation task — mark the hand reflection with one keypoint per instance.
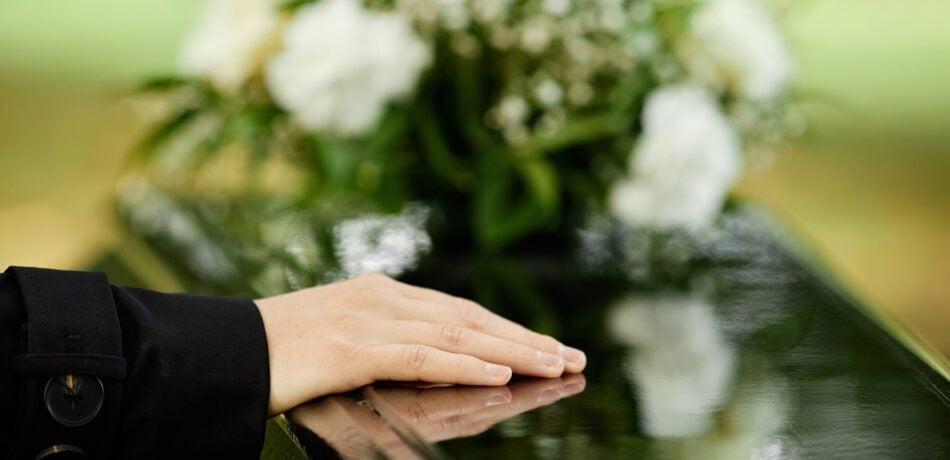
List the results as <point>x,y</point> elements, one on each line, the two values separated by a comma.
<point>438,414</point>
<point>388,419</point>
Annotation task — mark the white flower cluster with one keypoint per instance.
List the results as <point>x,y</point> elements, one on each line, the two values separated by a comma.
<point>230,41</point>
<point>336,67</point>
<point>733,43</point>
<point>565,56</point>
<point>685,162</point>
<point>341,64</point>
<point>689,154</point>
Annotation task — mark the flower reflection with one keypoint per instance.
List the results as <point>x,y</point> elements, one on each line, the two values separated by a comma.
<point>697,394</point>
<point>753,422</point>
<point>681,364</point>
<point>382,244</point>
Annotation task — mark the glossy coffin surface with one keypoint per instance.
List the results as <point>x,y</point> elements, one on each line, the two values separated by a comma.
<point>738,353</point>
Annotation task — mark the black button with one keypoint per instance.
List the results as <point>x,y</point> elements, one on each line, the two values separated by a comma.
<point>62,452</point>
<point>74,400</point>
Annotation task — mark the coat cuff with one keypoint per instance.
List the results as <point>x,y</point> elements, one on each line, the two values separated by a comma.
<point>198,374</point>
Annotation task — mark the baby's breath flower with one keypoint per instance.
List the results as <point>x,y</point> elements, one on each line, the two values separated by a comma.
<point>549,93</point>
<point>535,37</point>
<point>512,110</point>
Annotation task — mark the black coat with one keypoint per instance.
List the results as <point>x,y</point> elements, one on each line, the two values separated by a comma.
<point>178,375</point>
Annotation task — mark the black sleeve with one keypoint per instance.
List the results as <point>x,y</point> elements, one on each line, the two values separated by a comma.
<point>197,379</point>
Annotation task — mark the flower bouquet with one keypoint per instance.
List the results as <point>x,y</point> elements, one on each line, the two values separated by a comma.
<point>308,140</point>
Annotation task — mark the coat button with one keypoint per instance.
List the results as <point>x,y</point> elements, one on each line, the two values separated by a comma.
<point>74,400</point>
<point>61,452</point>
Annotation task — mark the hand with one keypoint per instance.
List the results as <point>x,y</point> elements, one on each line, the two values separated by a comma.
<point>341,336</point>
<point>433,414</point>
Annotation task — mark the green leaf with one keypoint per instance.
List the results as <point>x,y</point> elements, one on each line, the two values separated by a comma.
<point>164,83</point>
<point>293,5</point>
<point>389,132</point>
<point>436,149</point>
<point>164,131</point>
<point>541,181</point>
<point>337,162</point>
<point>576,131</point>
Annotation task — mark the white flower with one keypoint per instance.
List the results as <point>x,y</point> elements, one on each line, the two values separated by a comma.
<point>341,64</point>
<point>230,41</point>
<point>680,363</point>
<point>735,43</point>
<point>684,164</point>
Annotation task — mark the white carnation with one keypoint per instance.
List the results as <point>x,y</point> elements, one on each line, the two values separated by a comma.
<point>230,41</point>
<point>735,43</point>
<point>684,164</point>
<point>341,64</point>
<point>680,363</point>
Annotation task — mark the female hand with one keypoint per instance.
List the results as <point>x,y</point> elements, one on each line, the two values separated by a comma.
<point>341,336</point>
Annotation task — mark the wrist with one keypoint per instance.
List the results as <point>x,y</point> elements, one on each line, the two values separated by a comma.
<point>266,311</point>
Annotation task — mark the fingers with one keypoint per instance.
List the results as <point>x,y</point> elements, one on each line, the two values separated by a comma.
<point>428,364</point>
<point>522,359</point>
<point>436,307</point>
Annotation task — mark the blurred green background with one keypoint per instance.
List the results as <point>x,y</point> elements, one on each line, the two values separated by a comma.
<point>869,187</point>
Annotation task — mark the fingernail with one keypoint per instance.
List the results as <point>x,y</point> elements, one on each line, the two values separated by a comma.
<point>573,354</point>
<point>498,400</point>
<point>550,360</point>
<point>498,371</point>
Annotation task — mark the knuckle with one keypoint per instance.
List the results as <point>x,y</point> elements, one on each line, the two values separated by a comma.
<point>452,335</point>
<point>473,315</point>
<point>365,296</point>
<point>375,278</point>
<point>417,356</point>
